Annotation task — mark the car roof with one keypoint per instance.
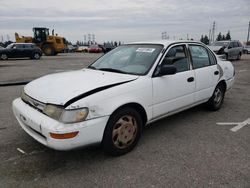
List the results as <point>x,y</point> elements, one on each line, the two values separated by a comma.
<point>166,42</point>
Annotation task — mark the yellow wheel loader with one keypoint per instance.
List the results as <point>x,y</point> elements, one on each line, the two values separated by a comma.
<point>50,44</point>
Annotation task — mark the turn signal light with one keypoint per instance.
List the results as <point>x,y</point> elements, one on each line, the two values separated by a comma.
<point>64,136</point>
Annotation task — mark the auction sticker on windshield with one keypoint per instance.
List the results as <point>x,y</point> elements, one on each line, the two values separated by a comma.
<point>147,50</point>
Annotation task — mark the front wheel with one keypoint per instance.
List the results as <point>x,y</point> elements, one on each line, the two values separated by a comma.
<point>122,132</point>
<point>217,98</point>
<point>4,57</point>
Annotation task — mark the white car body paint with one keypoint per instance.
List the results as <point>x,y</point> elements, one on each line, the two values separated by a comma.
<point>158,96</point>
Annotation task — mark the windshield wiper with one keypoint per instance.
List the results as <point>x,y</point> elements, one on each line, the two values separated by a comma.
<point>112,70</point>
<point>91,67</point>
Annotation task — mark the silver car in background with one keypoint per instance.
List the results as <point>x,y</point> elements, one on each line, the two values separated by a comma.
<point>246,49</point>
<point>226,49</point>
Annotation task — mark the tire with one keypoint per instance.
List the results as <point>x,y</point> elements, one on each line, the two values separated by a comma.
<point>36,56</point>
<point>48,50</point>
<point>239,56</point>
<point>4,57</point>
<point>227,57</point>
<point>122,131</point>
<point>217,98</point>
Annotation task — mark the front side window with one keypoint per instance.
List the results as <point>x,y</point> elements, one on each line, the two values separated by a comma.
<point>199,56</point>
<point>177,57</point>
<point>19,46</point>
<point>129,59</point>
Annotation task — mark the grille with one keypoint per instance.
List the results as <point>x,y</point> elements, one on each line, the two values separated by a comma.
<point>33,103</point>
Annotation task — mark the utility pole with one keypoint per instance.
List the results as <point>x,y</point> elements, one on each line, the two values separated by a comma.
<point>85,39</point>
<point>213,32</point>
<point>164,35</point>
<point>248,32</point>
<point>93,38</point>
<point>209,36</point>
<point>89,39</point>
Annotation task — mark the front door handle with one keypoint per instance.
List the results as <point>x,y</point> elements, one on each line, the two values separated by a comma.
<point>216,72</point>
<point>191,79</point>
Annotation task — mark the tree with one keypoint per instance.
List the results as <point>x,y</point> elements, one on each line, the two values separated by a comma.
<point>228,36</point>
<point>202,39</point>
<point>206,40</point>
<point>219,37</point>
<point>223,37</point>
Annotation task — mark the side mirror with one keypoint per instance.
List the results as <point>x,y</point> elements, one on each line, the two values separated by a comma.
<point>167,70</point>
<point>14,47</point>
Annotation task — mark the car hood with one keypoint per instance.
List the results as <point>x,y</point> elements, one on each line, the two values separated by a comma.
<point>215,48</point>
<point>60,88</point>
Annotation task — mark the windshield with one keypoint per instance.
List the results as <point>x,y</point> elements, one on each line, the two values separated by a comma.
<point>220,44</point>
<point>9,46</point>
<point>129,59</point>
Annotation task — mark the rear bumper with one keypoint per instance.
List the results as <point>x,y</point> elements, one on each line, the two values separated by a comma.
<point>39,126</point>
<point>230,83</point>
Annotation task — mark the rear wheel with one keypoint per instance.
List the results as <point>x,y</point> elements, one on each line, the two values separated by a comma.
<point>122,132</point>
<point>217,99</point>
<point>48,50</point>
<point>36,56</point>
<point>4,57</point>
<point>239,56</point>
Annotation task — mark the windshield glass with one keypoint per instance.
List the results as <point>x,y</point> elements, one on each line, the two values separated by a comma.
<point>9,46</point>
<point>220,44</point>
<point>129,59</point>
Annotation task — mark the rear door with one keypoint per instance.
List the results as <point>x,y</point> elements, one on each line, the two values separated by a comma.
<point>206,70</point>
<point>173,92</point>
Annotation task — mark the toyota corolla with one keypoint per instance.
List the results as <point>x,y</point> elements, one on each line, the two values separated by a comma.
<point>110,101</point>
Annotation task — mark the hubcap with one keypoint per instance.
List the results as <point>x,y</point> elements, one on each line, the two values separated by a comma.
<point>3,56</point>
<point>124,131</point>
<point>36,56</point>
<point>217,96</point>
<point>47,51</point>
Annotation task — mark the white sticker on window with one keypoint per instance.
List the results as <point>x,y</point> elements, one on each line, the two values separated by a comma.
<point>147,50</point>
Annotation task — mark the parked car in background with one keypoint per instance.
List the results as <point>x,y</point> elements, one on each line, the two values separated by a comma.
<point>70,48</point>
<point>95,49</point>
<point>246,49</point>
<point>108,47</point>
<point>227,49</point>
<point>21,50</point>
<point>82,49</point>
<point>124,90</point>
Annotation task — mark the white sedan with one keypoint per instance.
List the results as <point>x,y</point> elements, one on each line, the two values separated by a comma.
<point>110,101</point>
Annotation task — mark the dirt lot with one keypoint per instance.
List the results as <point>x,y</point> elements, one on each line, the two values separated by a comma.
<point>185,150</point>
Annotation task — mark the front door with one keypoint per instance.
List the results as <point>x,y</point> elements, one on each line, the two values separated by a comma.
<point>173,92</point>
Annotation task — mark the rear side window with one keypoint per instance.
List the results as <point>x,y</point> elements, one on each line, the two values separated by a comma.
<point>199,56</point>
<point>235,44</point>
<point>177,56</point>
<point>211,58</point>
<point>27,46</point>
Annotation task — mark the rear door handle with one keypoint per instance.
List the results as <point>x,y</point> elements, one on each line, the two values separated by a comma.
<point>191,79</point>
<point>216,72</point>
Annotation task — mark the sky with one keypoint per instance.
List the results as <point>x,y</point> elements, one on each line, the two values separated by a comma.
<point>125,20</point>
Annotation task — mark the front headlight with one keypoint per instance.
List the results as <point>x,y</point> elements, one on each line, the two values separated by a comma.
<point>53,111</point>
<point>74,116</point>
<point>66,116</point>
